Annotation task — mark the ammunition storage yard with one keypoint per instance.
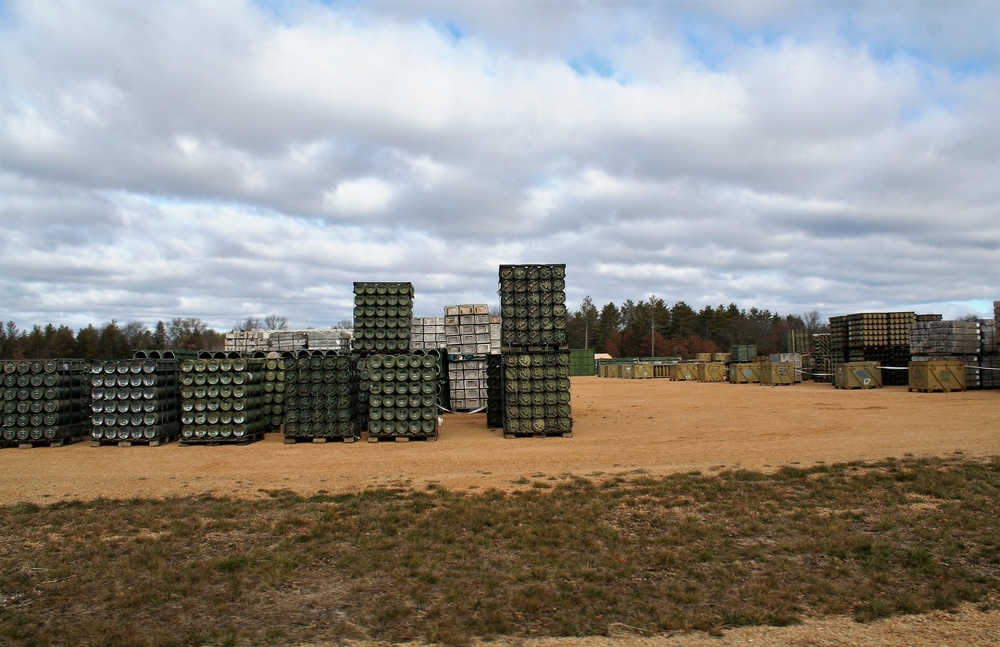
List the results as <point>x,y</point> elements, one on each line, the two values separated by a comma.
<point>654,426</point>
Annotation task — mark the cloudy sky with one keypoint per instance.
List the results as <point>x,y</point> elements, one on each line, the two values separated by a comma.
<point>230,158</point>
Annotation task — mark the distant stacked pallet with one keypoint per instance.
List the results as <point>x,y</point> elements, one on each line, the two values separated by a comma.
<point>882,337</point>
<point>221,400</point>
<point>427,333</point>
<point>989,358</point>
<point>534,350</point>
<point>533,306</point>
<point>44,402</point>
<point>403,398</point>
<point>133,402</point>
<point>821,354</point>
<point>743,352</point>
<point>248,342</point>
<point>319,397</point>
<point>949,340</point>
<point>796,341</point>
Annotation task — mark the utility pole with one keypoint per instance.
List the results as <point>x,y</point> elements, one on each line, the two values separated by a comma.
<point>652,339</point>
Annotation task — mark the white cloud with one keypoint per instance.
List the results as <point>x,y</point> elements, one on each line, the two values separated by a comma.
<point>201,159</point>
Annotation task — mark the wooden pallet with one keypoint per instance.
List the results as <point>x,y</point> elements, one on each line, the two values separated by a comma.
<point>151,442</point>
<point>294,440</point>
<point>386,438</point>
<point>212,442</point>
<point>537,434</point>
<point>45,442</point>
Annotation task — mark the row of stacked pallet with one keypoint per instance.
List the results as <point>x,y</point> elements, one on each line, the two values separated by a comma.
<point>882,337</point>
<point>397,386</point>
<point>535,362</point>
<point>44,402</point>
<point>134,401</point>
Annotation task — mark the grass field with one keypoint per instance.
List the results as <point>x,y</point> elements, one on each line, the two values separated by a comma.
<point>557,557</point>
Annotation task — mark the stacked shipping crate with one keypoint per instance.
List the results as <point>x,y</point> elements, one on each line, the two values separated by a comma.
<point>427,333</point>
<point>534,353</point>
<point>44,402</point>
<point>249,342</point>
<point>471,334</point>
<point>948,340</point>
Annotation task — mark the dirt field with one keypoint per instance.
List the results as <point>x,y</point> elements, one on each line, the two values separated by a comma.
<point>620,426</point>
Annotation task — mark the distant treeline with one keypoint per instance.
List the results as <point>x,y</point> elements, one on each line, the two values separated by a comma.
<point>634,329</point>
<point>651,327</point>
<point>111,340</point>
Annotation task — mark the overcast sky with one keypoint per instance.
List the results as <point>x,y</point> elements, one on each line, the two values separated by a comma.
<point>229,158</point>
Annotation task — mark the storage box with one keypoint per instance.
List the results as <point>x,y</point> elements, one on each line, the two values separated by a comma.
<point>939,375</point>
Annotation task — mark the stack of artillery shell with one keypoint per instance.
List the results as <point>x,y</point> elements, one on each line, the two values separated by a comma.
<point>402,397</point>
<point>536,394</point>
<point>494,391</point>
<point>533,306</point>
<point>44,402</point>
<point>221,400</point>
<point>133,401</point>
<point>274,392</point>
<point>383,313</point>
<point>320,394</point>
<point>535,354</point>
<point>882,337</point>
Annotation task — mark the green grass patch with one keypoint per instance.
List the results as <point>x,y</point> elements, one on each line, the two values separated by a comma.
<point>569,558</point>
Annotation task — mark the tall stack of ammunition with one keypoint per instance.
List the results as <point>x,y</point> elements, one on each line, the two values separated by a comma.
<point>535,356</point>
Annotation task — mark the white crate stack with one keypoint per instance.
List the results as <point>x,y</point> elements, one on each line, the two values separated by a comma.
<point>277,341</point>
<point>467,384</point>
<point>427,333</point>
<point>470,330</point>
<point>247,341</point>
<point>471,334</point>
